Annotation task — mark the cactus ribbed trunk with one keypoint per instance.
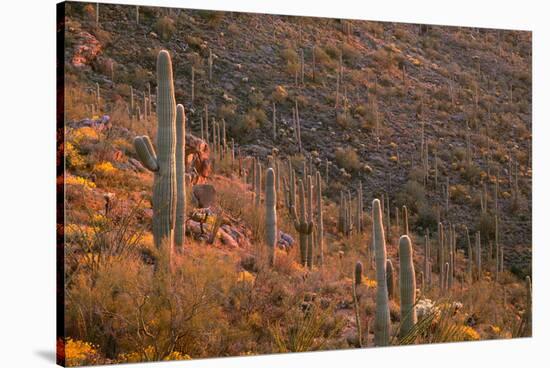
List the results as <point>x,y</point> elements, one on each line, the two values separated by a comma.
<point>382,315</point>
<point>258,183</point>
<point>301,224</point>
<point>270,215</point>
<point>320,230</point>
<point>179,230</point>
<point>407,286</point>
<point>390,279</point>
<point>309,202</point>
<point>163,164</point>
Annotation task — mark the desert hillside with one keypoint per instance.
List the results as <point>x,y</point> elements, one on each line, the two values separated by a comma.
<point>433,121</point>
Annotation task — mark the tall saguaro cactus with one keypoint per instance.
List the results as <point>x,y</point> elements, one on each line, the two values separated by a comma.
<point>407,285</point>
<point>179,230</point>
<point>382,315</point>
<point>162,164</point>
<point>270,214</point>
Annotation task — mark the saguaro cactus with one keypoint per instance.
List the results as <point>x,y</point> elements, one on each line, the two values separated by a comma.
<point>270,215</point>
<point>358,273</point>
<point>302,224</point>
<point>382,315</point>
<point>309,201</point>
<point>320,232</point>
<point>179,229</point>
<point>407,286</point>
<point>163,164</point>
<point>258,183</point>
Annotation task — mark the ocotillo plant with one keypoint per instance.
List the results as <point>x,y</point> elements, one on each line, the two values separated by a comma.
<point>179,229</point>
<point>270,215</point>
<point>301,223</point>
<point>320,232</point>
<point>382,315</point>
<point>163,164</point>
<point>407,286</point>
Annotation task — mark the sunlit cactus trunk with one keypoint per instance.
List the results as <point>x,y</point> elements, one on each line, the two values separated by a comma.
<point>179,229</point>
<point>162,164</point>
<point>382,315</point>
<point>270,215</point>
<point>407,285</point>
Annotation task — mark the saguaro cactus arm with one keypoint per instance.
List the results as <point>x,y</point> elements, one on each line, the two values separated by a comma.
<point>146,152</point>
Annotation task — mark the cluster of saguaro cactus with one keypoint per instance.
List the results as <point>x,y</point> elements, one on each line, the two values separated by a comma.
<point>313,248</point>
<point>407,285</point>
<point>382,315</point>
<point>162,164</point>
<point>350,216</point>
<point>446,255</point>
<point>270,214</point>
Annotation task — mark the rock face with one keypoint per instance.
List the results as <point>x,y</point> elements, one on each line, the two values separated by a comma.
<point>197,159</point>
<point>204,195</point>
<point>86,49</point>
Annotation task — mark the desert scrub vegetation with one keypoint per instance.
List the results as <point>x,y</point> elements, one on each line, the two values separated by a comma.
<point>389,111</point>
<point>348,159</point>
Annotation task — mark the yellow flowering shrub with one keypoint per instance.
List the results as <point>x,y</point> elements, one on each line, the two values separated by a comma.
<point>245,276</point>
<point>80,353</point>
<point>104,168</point>
<point>81,135</point>
<point>78,180</point>
<point>122,144</point>
<point>149,355</point>
<point>469,334</point>
<point>72,157</point>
